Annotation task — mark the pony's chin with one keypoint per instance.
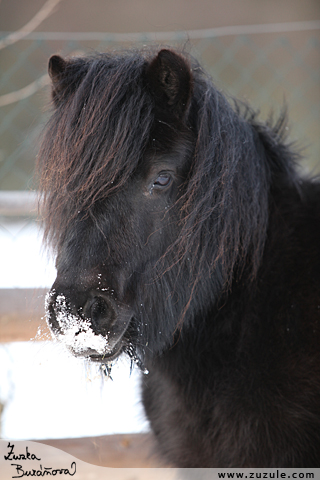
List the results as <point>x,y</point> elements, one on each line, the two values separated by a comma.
<point>98,357</point>
<point>108,357</point>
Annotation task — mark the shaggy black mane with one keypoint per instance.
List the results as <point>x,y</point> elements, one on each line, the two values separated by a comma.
<point>92,156</point>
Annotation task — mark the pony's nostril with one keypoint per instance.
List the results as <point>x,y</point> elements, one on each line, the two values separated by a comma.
<point>101,315</point>
<point>98,310</point>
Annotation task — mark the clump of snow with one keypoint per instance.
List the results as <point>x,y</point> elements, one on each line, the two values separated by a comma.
<point>75,331</point>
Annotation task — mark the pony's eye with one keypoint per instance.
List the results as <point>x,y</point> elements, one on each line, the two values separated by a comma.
<point>163,180</point>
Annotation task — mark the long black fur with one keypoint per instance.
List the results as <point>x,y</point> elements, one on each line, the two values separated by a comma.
<point>176,209</point>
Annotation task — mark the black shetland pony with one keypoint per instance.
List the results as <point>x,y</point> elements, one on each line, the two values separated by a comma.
<point>186,239</point>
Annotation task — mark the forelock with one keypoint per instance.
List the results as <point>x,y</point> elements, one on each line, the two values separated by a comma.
<point>95,137</point>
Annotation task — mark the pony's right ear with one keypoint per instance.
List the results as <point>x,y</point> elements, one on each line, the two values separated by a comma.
<point>56,68</point>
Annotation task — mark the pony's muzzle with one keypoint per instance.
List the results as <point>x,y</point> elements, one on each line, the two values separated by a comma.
<point>91,324</point>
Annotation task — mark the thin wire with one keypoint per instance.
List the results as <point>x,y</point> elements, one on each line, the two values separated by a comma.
<point>39,17</point>
<point>284,27</point>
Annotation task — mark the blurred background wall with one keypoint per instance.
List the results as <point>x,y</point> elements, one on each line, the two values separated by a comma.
<point>264,51</point>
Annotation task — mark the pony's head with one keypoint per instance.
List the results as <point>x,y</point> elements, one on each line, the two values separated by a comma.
<point>154,197</point>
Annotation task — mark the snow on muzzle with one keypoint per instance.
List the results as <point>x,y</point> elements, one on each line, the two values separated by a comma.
<point>94,328</point>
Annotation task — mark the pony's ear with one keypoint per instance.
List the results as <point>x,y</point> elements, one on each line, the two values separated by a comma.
<point>56,68</point>
<point>170,78</point>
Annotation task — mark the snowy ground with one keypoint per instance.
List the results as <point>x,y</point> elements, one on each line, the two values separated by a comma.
<point>24,263</point>
<point>49,394</point>
<point>46,392</point>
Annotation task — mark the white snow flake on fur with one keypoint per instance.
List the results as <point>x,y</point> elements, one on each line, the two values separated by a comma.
<point>77,333</point>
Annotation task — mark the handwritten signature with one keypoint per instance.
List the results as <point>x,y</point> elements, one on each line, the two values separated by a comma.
<point>40,471</point>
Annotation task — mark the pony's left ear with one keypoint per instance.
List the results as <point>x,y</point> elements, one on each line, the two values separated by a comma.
<point>56,69</point>
<point>169,76</point>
